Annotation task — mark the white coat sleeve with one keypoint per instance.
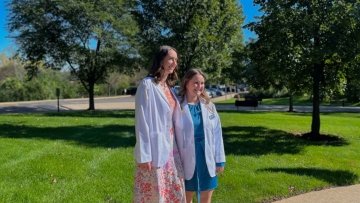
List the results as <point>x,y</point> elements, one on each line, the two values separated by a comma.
<point>219,143</point>
<point>177,155</point>
<point>142,131</point>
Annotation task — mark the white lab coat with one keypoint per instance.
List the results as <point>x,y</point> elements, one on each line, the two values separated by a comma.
<point>184,131</point>
<point>153,121</point>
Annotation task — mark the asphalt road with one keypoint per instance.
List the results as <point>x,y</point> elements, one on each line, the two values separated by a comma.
<point>119,102</point>
<point>127,102</point>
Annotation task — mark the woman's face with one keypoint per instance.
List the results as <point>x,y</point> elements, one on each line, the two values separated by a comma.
<point>169,63</point>
<point>195,86</point>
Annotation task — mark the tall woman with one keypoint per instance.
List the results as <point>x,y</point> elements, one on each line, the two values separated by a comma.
<point>199,137</point>
<point>158,171</point>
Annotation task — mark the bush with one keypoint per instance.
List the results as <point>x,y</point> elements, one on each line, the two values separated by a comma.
<point>12,89</point>
<point>269,93</point>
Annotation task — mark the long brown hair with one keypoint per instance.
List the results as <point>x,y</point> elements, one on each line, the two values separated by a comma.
<point>187,77</point>
<point>157,70</point>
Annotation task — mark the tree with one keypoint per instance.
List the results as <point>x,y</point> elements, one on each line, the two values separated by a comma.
<point>352,86</point>
<point>117,81</point>
<point>89,37</point>
<point>318,33</point>
<point>11,67</point>
<point>275,61</point>
<point>205,33</point>
<point>15,86</point>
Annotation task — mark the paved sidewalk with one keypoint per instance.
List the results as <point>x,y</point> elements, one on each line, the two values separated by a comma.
<point>346,194</point>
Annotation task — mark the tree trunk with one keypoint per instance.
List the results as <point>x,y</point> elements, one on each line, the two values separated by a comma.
<point>318,69</point>
<point>91,96</point>
<point>291,104</point>
<point>109,90</point>
<point>315,125</point>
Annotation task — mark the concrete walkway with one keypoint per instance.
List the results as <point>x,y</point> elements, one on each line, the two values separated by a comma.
<point>347,194</point>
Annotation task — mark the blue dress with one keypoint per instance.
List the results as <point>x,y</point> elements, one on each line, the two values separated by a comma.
<point>201,181</point>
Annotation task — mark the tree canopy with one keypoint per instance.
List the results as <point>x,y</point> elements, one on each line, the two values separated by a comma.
<point>302,41</point>
<point>87,37</point>
<point>205,33</point>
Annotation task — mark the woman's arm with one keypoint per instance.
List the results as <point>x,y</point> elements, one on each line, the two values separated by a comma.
<point>142,113</point>
<point>219,143</point>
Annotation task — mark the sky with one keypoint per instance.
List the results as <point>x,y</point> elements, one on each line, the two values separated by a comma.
<point>7,44</point>
<point>250,11</point>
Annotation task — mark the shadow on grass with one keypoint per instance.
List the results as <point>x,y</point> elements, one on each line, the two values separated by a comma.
<point>109,136</point>
<point>243,140</point>
<point>335,177</point>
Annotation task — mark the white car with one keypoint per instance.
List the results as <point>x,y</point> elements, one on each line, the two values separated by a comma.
<point>177,89</point>
<point>210,93</point>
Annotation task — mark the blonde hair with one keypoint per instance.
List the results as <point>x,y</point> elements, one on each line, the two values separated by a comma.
<point>187,77</point>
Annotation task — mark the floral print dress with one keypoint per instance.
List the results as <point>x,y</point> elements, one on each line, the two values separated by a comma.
<point>164,184</point>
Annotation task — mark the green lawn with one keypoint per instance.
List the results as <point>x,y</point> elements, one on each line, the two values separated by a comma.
<point>274,101</point>
<point>298,100</point>
<point>88,157</point>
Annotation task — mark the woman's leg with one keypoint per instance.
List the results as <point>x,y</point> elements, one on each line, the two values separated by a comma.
<point>189,196</point>
<point>205,196</point>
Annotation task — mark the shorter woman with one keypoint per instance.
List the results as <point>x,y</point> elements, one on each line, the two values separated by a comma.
<point>199,137</point>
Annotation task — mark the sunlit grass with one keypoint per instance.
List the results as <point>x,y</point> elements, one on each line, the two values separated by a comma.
<point>88,156</point>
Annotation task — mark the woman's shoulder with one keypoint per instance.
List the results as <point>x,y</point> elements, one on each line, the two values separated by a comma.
<point>206,101</point>
<point>210,106</point>
<point>147,81</point>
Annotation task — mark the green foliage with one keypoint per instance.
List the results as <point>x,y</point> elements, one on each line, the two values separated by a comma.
<point>205,33</point>
<point>89,37</point>
<point>11,67</point>
<point>352,88</point>
<point>286,49</point>
<point>15,86</point>
<point>12,89</point>
<point>41,87</point>
<point>305,45</point>
<point>269,92</point>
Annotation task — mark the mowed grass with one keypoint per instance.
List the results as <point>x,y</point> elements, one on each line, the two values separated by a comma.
<point>88,156</point>
<point>297,101</point>
<point>302,101</point>
<point>75,157</point>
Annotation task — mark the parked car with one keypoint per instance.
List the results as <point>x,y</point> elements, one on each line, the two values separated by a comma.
<point>177,89</point>
<point>211,93</point>
<point>218,92</point>
<point>131,91</point>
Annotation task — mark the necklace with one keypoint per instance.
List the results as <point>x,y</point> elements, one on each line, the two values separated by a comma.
<point>163,85</point>
<point>195,108</point>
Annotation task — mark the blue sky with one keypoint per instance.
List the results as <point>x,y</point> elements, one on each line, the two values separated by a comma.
<point>7,44</point>
<point>250,11</point>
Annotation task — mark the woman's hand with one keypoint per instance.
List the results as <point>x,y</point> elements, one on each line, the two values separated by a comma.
<point>219,169</point>
<point>145,166</point>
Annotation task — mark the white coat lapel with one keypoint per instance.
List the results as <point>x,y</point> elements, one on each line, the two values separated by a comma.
<point>205,114</point>
<point>185,106</point>
<point>161,93</point>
